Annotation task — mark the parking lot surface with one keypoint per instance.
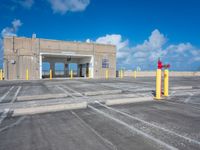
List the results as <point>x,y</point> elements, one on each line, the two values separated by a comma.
<point>170,123</point>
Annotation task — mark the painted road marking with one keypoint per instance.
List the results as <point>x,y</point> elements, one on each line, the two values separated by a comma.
<point>133,129</point>
<point>16,93</point>
<point>95,132</point>
<point>143,121</point>
<point>128,126</point>
<point>6,94</point>
<point>150,124</point>
<point>189,98</point>
<point>5,113</point>
<point>14,124</point>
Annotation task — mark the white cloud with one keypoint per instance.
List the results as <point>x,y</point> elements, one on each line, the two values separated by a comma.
<point>180,48</point>
<point>63,6</point>
<point>115,39</point>
<point>156,40</point>
<point>146,54</point>
<point>11,31</point>
<point>25,3</point>
<point>149,51</point>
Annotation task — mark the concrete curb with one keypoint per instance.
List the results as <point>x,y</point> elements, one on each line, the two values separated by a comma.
<point>40,97</point>
<point>49,108</point>
<point>128,100</point>
<point>71,106</point>
<point>181,88</point>
<point>103,92</point>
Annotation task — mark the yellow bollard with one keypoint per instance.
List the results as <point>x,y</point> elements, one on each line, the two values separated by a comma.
<point>50,74</point>
<point>107,74</point>
<point>166,82</point>
<point>27,75</point>
<point>71,74</point>
<point>158,84</point>
<point>135,74</point>
<point>1,74</point>
<point>89,74</point>
<point>121,76</point>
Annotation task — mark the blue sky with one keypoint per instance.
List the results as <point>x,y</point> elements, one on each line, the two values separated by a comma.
<point>142,30</point>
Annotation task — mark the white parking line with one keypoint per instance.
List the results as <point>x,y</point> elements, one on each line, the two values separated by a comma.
<point>95,132</point>
<point>4,96</point>
<point>16,93</point>
<point>133,129</point>
<point>150,124</point>
<point>189,98</point>
<point>5,112</point>
<point>128,126</point>
<point>14,124</point>
<point>4,115</point>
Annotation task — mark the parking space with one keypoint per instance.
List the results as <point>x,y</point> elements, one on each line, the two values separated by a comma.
<point>171,123</point>
<point>147,125</point>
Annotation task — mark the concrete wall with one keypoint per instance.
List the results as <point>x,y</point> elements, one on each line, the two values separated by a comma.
<point>25,52</point>
<point>153,74</point>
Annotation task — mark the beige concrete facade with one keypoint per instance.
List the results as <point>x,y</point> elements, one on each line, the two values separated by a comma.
<point>28,53</point>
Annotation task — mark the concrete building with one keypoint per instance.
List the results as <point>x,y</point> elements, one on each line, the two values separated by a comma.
<point>91,59</point>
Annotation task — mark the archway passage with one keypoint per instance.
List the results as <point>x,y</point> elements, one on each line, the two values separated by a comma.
<point>61,65</point>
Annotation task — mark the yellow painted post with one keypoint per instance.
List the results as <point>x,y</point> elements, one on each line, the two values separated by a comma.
<point>107,74</point>
<point>71,74</point>
<point>135,74</point>
<point>158,84</point>
<point>121,74</point>
<point>166,82</point>
<point>27,74</point>
<point>1,74</point>
<point>50,74</point>
<point>89,74</point>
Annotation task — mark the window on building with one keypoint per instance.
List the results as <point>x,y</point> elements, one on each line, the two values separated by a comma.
<point>105,63</point>
<point>59,69</point>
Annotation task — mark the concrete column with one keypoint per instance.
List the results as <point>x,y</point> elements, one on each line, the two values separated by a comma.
<point>66,70</point>
<point>87,69</point>
<point>80,70</point>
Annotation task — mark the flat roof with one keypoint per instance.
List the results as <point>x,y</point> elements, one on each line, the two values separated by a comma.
<point>80,42</point>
